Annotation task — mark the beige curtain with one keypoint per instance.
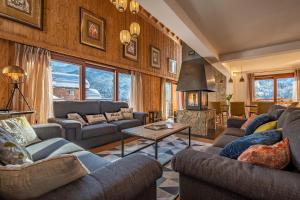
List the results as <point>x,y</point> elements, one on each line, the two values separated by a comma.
<point>163,98</point>
<point>297,85</point>
<point>37,86</point>
<point>136,94</point>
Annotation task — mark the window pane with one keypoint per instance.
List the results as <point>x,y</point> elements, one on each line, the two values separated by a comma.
<point>124,87</point>
<point>285,89</point>
<point>99,84</point>
<point>65,80</point>
<point>264,90</point>
<point>168,100</point>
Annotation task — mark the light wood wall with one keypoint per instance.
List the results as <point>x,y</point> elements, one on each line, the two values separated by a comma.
<point>61,35</point>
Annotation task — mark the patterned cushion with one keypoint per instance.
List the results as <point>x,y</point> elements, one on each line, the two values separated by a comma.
<point>95,119</point>
<point>77,117</point>
<point>21,130</point>
<point>267,126</point>
<point>258,121</point>
<point>11,153</point>
<point>276,156</point>
<point>238,146</point>
<point>114,116</point>
<point>249,120</point>
<point>127,113</point>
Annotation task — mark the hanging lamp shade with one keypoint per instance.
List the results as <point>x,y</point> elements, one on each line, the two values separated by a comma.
<point>121,5</point>
<point>134,6</point>
<point>135,29</point>
<point>113,2</point>
<point>125,37</point>
<point>230,80</point>
<point>13,72</point>
<point>242,79</point>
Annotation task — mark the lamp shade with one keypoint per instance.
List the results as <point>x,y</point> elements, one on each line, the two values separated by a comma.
<point>14,72</point>
<point>125,37</point>
<point>135,29</point>
<point>113,2</point>
<point>121,5</point>
<point>134,7</point>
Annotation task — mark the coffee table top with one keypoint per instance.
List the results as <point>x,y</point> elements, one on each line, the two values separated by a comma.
<point>146,133</point>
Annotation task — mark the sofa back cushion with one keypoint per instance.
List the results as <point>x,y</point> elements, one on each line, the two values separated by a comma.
<point>291,130</point>
<point>111,107</point>
<point>63,108</point>
<point>283,119</point>
<point>275,111</point>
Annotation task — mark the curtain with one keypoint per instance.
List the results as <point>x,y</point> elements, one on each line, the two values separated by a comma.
<point>297,85</point>
<point>163,98</point>
<point>250,79</point>
<point>136,94</point>
<point>37,84</point>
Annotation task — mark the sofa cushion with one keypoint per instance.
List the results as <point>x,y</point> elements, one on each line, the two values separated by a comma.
<point>223,140</point>
<point>91,161</point>
<point>258,121</point>
<point>275,111</point>
<point>283,119</point>
<point>128,123</point>
<point>52,147</point>
<point>97,130</point>
<point>62,108</point>
<point>234,131</point>
<point>110,106</point>
<point>238,146</point>
<point>209,149</point>
<point>267,126</point>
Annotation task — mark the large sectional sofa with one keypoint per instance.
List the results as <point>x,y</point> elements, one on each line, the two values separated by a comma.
<point>97,134</point>
<point>133,177</point>
<point>206,175</point>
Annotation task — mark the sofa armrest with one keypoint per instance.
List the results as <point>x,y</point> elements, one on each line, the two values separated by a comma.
<point>250,181</point>
<point>235,122</point>
<point>140,116</point>
<point>47,131</point>
<point>67,125</point>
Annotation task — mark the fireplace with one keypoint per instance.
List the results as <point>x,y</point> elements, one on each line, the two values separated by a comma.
<point>196,100</point>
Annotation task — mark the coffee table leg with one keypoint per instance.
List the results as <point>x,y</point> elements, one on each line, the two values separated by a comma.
<point>122,145</point>
<point>189,136</point>
<point>155,146</point>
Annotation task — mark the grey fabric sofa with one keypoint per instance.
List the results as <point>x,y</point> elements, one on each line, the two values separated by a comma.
<point>133,177</point>
<point>97,134</point>
<point>206,175</point>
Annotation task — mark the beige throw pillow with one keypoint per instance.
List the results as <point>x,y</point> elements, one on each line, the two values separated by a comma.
<point>33,180</point>
<point>127,113</point>
<point>95,119</point>
<point>114,116</point>
<point>77,117</point>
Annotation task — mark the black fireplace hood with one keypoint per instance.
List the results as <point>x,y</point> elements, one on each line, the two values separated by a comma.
<point>196,75</point>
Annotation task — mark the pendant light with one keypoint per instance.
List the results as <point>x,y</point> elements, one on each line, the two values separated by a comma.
<point>242,77</point>
<point>135,29</point>
<point>121,5</point>
<point>134,6</point>
<point>230,79</point>
<point>113,2</point>
<point>125,37</point>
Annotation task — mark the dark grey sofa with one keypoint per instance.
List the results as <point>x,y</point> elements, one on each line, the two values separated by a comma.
<point>206,175</point>
<point>97,134</point>
<point>133,177</point>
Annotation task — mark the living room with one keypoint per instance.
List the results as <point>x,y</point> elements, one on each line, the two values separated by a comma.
<point>135,99</point>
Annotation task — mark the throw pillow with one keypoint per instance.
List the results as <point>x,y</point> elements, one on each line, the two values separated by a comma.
<point>127,113</point>
<point>95,119</point>
<point>249,120</point>
<point>77,117</point>
<point>276,156</point>
<point>267,126</point>
<point>11,153</point>
<point>258,121</point>
<point>29,181</point>
<point>21,130</point>
<point>238,146</point>
<point>114,116</point>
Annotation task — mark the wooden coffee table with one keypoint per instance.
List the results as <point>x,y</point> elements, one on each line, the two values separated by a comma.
<point>154,135</point>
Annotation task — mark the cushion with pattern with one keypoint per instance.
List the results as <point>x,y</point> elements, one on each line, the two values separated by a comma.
<point>127,113</point>
<point>114,116</point>
<point>95,119</point>
<point>77,117</point>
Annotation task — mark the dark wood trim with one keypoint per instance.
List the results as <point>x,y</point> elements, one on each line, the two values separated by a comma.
<point>82,83</point>
<point>116,86</point>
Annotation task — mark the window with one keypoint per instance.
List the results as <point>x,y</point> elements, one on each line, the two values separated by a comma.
<point>65,80</point>
<point>124,85</point>
<point>168,88</point>
<point>99,84</point>
<point>277,88</point>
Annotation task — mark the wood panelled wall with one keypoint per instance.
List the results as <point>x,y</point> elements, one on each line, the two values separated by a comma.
<point>61,34</point>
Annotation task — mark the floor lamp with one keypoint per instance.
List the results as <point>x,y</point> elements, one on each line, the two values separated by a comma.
<point>14,73</point>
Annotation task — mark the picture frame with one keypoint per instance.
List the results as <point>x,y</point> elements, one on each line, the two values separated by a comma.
<point>172,66</point>
<point>27,12</point>
<point>92,30</point>
<point>154,57</point>
<point>130,51</point>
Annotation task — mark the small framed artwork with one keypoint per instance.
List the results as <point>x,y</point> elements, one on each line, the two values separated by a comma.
<point>28,12</point>
<point>131,50</point>
<point>92,30</point>
<point>172,66</point>
<point>155,57</point>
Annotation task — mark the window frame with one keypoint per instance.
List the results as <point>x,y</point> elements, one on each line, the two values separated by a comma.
<point>273,77</point>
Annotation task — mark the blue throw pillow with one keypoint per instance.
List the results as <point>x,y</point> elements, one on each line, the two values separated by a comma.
<point>238,146</point>
<point>258,121</point>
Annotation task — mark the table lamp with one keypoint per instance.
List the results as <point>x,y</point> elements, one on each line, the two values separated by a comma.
<point>14,73</point>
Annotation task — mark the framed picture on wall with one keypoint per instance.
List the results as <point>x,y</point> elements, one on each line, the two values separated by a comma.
<point>28,12</point>
<point>155,57</point>
<point>92,30</point>
<point>131,50</point>
<point>172,66</point>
